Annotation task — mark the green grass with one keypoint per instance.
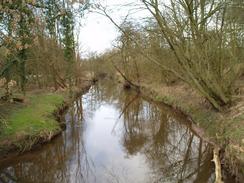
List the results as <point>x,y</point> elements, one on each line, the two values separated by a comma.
<point>34,119</point>
<point>235,129</point>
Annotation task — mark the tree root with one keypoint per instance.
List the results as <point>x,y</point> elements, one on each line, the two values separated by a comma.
<point>216,160</point>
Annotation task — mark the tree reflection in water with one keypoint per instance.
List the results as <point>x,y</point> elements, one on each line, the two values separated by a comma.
<point>171,149</point>
<point>159,137</point>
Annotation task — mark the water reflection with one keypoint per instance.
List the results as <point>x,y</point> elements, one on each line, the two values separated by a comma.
<point>63,160</point>
<point>172,151</point>
<point>116,136</point>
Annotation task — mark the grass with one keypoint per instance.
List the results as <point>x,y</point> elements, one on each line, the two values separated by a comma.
<point>34,119</point>
<point>235,129</point>
<point>24,124</point>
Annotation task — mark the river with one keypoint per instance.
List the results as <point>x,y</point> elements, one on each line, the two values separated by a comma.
<point>116,136</point>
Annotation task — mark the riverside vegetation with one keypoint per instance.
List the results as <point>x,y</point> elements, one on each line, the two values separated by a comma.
<point>187,54</point>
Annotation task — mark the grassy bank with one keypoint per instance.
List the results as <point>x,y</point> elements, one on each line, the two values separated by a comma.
<point>26,124</point>
<point>224,129</point>
<point>35,120</point>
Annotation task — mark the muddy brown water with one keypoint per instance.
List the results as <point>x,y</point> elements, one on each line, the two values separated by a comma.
<point>118,137</point>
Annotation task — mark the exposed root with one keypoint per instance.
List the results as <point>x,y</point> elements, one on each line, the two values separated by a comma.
<point>216,160</point>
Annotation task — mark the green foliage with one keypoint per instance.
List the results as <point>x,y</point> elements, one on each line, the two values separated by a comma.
<point>68,36</point>
<point>51,16</point>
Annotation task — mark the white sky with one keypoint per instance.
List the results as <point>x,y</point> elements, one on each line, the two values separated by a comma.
<point>97,32</point>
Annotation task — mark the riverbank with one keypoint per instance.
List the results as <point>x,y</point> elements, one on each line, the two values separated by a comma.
<point>36,120</point>
<point>225,129</point>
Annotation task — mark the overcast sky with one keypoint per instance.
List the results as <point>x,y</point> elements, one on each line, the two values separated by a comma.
<point>98,33</point>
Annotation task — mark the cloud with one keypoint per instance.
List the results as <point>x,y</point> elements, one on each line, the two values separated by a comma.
<point>98,33</point>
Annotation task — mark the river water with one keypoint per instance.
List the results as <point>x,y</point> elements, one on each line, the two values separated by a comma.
<point>114,136</point>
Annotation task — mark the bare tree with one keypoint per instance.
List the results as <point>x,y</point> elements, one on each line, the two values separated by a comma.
<point>203,43</point>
